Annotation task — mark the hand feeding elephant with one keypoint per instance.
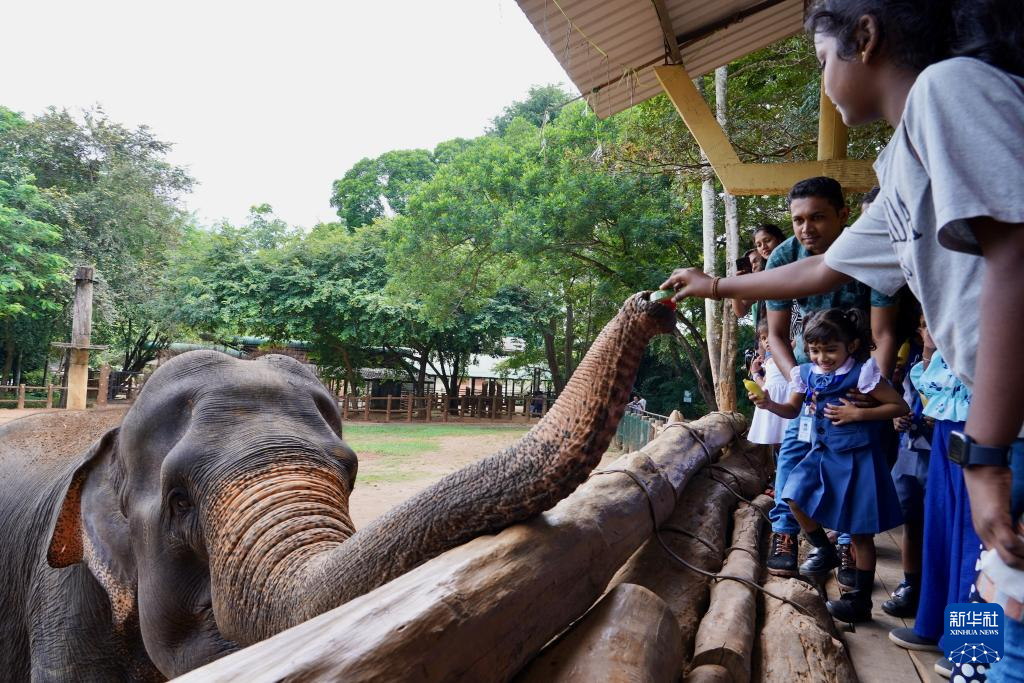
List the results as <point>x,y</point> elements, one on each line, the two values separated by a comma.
<point>217,514</point>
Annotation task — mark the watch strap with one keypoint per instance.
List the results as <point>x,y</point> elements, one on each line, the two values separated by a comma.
<point>987,455</point>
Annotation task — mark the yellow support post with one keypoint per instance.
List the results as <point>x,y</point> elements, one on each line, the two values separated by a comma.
<point>740,178</point>
<point>833,135</point>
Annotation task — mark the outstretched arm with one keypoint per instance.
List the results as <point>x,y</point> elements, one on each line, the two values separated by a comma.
<point>788,410</point>
<point>798,279</point>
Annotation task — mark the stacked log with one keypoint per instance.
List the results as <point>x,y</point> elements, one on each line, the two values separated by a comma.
<point>629,636</point>
<point>481,611</point>
<point>726,634</point>
<point>798,647</point>
<point>697,531</point>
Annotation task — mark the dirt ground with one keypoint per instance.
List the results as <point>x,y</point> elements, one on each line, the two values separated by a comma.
<point>395,460</point>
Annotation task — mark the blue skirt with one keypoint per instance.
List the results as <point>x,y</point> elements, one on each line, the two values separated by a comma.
<point>849,490</point>
<point>950,543</point>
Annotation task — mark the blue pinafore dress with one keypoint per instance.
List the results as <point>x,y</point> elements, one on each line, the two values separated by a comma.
<point>843,482</point>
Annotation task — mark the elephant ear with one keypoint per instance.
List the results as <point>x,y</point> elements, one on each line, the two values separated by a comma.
<point>66,547</point>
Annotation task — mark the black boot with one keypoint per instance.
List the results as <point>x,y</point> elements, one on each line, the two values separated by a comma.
<point>782,560</point>
<point>847,573</point>
<point>854,607</point>
<point>822,559</point>
<point>903,602</point>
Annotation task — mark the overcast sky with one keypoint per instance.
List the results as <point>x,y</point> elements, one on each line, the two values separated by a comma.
<point>271,101</point>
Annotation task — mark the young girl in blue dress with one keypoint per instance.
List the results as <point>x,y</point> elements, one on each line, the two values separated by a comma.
<point>843,480</point>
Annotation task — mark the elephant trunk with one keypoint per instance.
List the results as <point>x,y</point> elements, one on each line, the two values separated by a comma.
<point>295,570</point>
<point>265,530</point>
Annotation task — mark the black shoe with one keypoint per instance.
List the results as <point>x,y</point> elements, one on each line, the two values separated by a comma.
<point>903,602</point>
<point>847,573</point>
<point>782,561</point>
<point>819,562</point>
<point>908,639</point>
<point>852,608</point>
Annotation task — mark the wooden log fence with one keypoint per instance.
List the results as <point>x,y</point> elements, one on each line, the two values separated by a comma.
<point>583,592</point>
<point>444,407</point>
<point>30,396</point>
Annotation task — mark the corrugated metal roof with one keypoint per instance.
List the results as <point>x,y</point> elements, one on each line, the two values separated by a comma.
<point>609,46</point>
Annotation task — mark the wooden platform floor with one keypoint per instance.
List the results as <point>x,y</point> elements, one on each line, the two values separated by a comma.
<point>875,658</point>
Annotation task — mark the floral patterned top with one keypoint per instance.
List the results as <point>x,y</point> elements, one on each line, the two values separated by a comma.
<point>946,397</point>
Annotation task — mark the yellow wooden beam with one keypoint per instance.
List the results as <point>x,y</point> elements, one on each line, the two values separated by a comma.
<point>832,132</point>
<point>759,179</point>
<point>697,115</point>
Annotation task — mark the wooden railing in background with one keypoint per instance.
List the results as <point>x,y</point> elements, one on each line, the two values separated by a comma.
<point>442,407</point>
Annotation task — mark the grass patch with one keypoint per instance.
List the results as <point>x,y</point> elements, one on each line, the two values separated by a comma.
<point>400,440</point>
<point>388,476</point>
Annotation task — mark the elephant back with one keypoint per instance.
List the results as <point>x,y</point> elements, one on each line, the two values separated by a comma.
<point>49,441</point>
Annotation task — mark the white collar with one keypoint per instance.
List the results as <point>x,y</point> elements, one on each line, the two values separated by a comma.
<point>842,370</point>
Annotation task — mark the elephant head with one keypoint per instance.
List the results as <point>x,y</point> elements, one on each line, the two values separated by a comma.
<point>217,514</point>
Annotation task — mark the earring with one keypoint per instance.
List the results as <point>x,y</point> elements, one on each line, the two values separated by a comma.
<point>863,55</point>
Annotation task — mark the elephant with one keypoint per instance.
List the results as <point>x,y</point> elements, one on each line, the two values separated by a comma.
<point>216,514</point>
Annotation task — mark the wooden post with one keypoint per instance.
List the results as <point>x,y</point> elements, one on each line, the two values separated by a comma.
<point>344,406</point>
<point>21,396</point>
<point>387,409</point>
<point>104,386</point>
<point>446,404</point>
<point>366,408</point>
<point>49,395</point>
<point>408,414</point>
<point>544,406</point>
<point>463,400</point>
<point>81,331</point>
<point>832,132</point>
<point>428,401</point>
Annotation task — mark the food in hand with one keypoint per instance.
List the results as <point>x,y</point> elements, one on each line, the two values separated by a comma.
<point>665,297</point>
<point>752,387</point>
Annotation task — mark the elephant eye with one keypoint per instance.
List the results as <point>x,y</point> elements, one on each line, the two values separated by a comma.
<point>179,501</point>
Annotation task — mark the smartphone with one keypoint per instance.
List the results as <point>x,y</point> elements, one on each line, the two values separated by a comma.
<point>743,265</point>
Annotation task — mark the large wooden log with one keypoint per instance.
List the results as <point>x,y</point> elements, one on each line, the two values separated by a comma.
<point>727,631</point>
<point>796,647</point>
<point>708,673</point>
<point>703,516</point>
<point>480,611</point>
<point>630,636</point>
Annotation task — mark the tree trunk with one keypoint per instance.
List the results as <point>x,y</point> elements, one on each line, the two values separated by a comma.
<point>552,357</point>
<point>712,308</point>
<point>570,335</point>
<point>701,367</point>
<point>8,353</point>
<point>727,360</point>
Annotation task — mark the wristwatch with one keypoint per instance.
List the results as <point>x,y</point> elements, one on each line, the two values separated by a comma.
<point>964,452</point>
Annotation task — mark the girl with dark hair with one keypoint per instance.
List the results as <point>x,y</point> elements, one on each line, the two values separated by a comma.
<point>767,236</point>
<point>842,482</point>
<point>948,221</point>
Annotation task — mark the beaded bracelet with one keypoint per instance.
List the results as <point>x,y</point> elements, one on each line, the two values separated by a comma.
<point>714,288</point>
